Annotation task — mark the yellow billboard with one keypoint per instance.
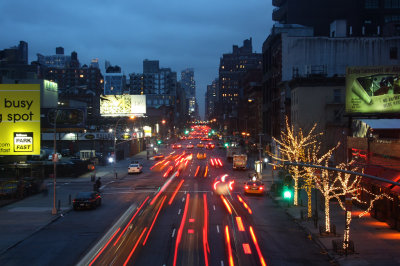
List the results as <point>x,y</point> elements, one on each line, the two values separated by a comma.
<point>19,119</point>
<point>372,90</point>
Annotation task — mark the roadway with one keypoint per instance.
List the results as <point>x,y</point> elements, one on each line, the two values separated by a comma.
<point>156,218</point>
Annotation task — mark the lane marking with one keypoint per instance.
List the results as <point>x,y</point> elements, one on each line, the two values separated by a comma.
<point>179,212</point>
<point>173,233</point>
<point>218,229</point>
<point>183,199</point>
<point>222,263</point>
<point>214,207</point>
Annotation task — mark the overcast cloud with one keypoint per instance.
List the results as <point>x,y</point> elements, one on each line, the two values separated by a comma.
<point>178,33</point>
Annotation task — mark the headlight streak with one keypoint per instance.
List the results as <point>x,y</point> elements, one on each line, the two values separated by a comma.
<point>133,217</point>
<point>166,184</point>
<point>245,204</point>
<point>179,235</point>
<point>137,243</point>
<point>154,220</point>
<point>262,261</point>
<point>176,191</point>
<point>228,244</point>
<point>206,247</point>
<point>101,251</point>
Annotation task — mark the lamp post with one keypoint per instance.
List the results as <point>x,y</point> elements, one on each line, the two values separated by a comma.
<point>115,144</point>
<point>55,159</point>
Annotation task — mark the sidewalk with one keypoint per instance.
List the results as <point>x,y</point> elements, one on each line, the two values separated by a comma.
<point>23,218</point>
<point>374,242</point>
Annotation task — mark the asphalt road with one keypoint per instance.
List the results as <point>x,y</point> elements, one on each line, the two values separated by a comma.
<point>149,219</point>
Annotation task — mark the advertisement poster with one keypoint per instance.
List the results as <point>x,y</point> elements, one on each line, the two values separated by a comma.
<point>373,89</point>
<point>122,105</point>
<point>20,119</point>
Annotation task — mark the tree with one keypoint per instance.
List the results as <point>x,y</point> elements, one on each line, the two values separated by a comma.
<point>292,147</point>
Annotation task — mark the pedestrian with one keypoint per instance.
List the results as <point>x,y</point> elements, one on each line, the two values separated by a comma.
<point>98,184</point>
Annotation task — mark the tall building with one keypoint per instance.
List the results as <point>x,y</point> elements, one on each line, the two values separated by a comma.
<point>158,84</point>
<point>14,63</point>
<point>114,80</point>
<point>363,17</point>
<point>189,85</point>
<point>59,60</point>
<point>211,100</point>
<point>232,68</point>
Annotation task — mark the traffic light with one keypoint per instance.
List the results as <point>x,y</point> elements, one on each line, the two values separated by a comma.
<point>159,142</point>
<point>287,193</point>
<point>186,131</point>
<point>226,144</point>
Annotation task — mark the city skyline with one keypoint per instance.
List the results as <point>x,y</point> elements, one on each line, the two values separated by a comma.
<point>194,36</point>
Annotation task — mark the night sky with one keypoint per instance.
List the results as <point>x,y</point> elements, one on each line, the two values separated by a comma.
<point>178,33</point>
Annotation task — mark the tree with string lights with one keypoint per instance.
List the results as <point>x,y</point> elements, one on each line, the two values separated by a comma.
<point>292,147</point>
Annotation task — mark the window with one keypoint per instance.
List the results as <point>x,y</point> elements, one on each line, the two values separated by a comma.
<point>393,53</point>
<point>392,3</point>
<point>336,95</point>
<point>371,4</point>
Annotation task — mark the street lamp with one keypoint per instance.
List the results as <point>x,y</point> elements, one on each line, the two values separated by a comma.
<point>115,143</point>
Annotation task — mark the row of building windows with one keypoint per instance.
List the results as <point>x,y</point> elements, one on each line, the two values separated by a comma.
<point>373,4</point>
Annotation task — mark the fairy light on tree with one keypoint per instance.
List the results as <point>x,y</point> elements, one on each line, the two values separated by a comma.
<point>292,146</point>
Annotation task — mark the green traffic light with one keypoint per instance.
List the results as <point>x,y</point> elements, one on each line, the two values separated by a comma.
<point>226,145</point>
<point>287,194</point>
<point>187,132</point>
<point>159,141</point>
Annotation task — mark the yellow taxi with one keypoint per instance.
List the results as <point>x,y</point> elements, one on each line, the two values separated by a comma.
<point>200,145</point>
<point>254,187</point>
<point>201,155</point>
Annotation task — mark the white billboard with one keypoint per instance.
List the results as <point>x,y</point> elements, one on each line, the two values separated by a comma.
<point>122,105</point>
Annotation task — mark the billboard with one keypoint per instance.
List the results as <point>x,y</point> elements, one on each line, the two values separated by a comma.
<point>66,118</point>
<point>122,105</point>
<point>19,119</point>
<point>373,89</point>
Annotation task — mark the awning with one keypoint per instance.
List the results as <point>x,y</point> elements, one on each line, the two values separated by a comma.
<point>382,123</point>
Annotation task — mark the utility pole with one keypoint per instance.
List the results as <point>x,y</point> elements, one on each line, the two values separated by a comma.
<point>55,159</point>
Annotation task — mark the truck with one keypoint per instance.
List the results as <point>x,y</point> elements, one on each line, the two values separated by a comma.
<point>239,161</point>
<point>231,151</point>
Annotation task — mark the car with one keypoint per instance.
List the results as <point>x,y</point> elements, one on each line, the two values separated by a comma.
<point>223,184</point>
<point>200,145</point>
<point>189,146</point>
<point>50,158</point>
<point>201,155</point>
<point>135,168</point>
<point>254,187</point>
<point>158,156</point>
<point>210,146</point>
<point>87,200</point>
<point>176,146</point>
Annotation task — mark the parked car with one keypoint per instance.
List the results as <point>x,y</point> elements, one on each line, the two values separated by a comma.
<point>51,156</point>
<point>87,200</point>
<point>135,168</point>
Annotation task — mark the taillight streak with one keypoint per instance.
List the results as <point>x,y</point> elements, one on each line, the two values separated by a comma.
<point>212,161</point>
<point>262,261</point>
<point>206,247</point>
<point>239,223</point>
<point>157,164</point>
<point>220,163</point>
<point>133,217</point>
<point>206,171</point>
<point>108,242</point>
<point>245,204</point>
<point>226,204</point>
<point>163,166</point>
<point>137,243</point>
<point>197,171</point>
<point>179,235</point>
<point>176,191</point>
<point>154,220</point>
<point>168,171</point>
<point>231,185</point>
<point>228,244</point>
